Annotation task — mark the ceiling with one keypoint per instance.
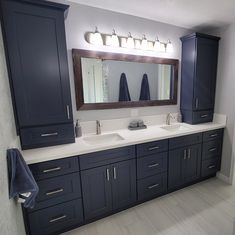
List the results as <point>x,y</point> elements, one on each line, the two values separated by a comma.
<point>193,14</point>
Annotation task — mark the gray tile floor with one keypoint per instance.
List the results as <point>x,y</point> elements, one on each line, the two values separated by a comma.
<point>205,208</point>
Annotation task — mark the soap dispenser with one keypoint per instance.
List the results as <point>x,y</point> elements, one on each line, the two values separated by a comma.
<point>78,129</point>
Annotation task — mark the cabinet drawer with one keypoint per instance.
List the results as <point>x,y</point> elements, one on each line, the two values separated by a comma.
<point>45,136</point>
<point>212,149</point>
<point>106,157</point>
<point>152,147</point>
<point>212,135</point>
<point>57,190</point>
<point>203,116</point>
<point>54,168</point>
<point>210,167</point>
<point>152,186</point>
<point>183,141</point>
<point>151,165</point>
<point>57,218</point>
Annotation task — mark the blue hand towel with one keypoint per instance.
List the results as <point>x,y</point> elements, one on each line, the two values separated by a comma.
<point>144,92</point>
<point>124,94</point>
<point>21,179</point>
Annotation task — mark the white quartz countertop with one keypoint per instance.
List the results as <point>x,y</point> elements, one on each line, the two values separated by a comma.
<point>152,133</point>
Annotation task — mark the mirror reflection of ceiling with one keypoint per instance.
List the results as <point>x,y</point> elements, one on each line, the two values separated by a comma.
<point>206,14</point>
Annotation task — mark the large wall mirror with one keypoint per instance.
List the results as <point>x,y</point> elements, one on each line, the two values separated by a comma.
<point>112,80</point>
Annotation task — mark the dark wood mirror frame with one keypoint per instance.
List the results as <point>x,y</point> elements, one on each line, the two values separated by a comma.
<point>78,54</point>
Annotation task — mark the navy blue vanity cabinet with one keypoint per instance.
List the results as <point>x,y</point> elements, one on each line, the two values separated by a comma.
<point>152,169</point>
<point>211,152</point>
<point>184,162</point>
<point>35,47</point>
<point>58,206</point>
<point>108,184</point>
<point>198,80</point>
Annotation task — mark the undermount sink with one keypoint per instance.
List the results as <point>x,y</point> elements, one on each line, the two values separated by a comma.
<point>103,139</point>
<point>175,127</point>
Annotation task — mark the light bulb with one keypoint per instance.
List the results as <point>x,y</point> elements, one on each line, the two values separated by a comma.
<point>144,43</point>
<point>169,46</point>
<point>114,40</point>
<point>157,45</point>
<point>97,38</point>
<point>130,42</point>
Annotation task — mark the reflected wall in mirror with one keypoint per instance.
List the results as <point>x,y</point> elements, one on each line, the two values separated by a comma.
<point>109,80</point>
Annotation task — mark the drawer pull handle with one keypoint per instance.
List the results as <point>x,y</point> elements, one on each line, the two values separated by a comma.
<point>205,115</point>
<point>68,112</point>
<point>153,165</point>
<point>213,135</point>
<point>211,167</point>
<point>153,186</point>
<point>189,153</point>
<point>55,192</point>
<point>52,169</point>
<point>212,150</point>
<point>153,148</point>
<point>58,218</point>
<point>49,134</point>
<point>107,174</point>
<point>114,173</point>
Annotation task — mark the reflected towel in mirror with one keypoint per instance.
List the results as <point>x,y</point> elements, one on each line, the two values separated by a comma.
<point>124,94</point>
<point>144,92</point>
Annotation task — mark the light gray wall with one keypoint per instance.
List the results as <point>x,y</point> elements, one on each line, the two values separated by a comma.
<point>11,222</point>
<point>82,19</point>
<point>225,91</point>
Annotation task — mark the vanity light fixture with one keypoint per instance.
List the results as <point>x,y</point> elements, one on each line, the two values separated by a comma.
<point>169,46</point>
<point>144,43</point>
<point>130,42</point>
<point>157,45</point>
<point>114,39</point>
<point>96,38</point>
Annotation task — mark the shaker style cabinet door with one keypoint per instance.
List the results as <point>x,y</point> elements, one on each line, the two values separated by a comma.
<point>96,189</point>
<point>37,60</point>
<point>206,69</point>
<point>124,184</point>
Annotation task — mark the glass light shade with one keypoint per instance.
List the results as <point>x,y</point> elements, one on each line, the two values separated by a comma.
<point>169,47</point>
<point>114,40</point>
<point>130,42</point>
<point>150,46</point>
<point>137,44</point>
<point>97,38</point>
<point>157,45</point>
<point>144,43</point>
<point>108,40</point>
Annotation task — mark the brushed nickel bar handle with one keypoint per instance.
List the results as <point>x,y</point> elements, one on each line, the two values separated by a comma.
<point>114,173</point>
<point>213,135</point>
<point>196,103</point>
<point>58,218</point>
<point>153,148</point>
<point>49,134</point>
<point>153,186</point>
<point>68,112</point>
<point>153,165</point>
<point>205,115</point>
<point>52,169</point>
<point>107,174</point>
<point>55,192</point>
<point>212,150</point>
<point>211,167</point>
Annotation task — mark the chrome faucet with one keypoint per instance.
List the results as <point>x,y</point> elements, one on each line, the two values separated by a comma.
<point>168,118</point>
<point>98,127</point>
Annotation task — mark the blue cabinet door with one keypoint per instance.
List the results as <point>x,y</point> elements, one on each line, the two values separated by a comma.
<point>205,77</point>
<point>96,190</point>
<point>37,61</point>
<point>124,184</point>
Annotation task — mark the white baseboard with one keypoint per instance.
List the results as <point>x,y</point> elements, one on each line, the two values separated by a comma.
<point>223,177</point>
